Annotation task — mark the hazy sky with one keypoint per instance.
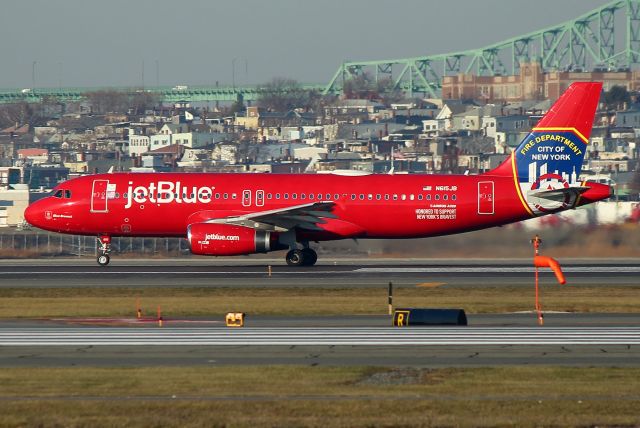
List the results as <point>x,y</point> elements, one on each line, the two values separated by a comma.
<point>104,43</point>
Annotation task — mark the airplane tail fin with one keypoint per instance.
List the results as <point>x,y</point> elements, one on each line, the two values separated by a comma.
<point>550,157</point>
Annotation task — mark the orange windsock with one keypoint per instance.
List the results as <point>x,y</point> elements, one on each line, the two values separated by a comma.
<point>544,261</point>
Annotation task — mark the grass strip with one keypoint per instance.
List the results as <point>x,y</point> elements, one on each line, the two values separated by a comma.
<point>319,396</point>
<point>72,302</point>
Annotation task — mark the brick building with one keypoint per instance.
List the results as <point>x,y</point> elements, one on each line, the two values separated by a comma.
<point>531,84</point>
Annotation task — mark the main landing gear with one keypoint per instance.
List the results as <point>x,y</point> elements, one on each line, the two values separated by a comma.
<point>104,248</point>
<point>304,257</point>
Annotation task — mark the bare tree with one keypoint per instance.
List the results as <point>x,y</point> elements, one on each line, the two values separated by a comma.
<point>142,101</point>
<point>108,101</point>
<point>365,87</point>
<point>283,94</point>
<point>22,113</point>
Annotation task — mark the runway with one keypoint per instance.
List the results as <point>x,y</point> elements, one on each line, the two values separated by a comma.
<point>585,339</point>
<point>329,274</point>
<point>489,340</point>
<point>334,336</point>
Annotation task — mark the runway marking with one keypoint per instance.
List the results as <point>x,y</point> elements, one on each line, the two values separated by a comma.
<point>438,336</point>
<point>431,284</point>
<point>191,272</point>
<point>496,269</point>
<point>309,272</point>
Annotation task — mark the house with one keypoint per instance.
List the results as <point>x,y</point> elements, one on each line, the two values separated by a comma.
<point>14,197</point>
<point>34,156</point>
<point>164,159</point>
<point>258,117</point>
<point>352,111</point>
<point>628,118</point>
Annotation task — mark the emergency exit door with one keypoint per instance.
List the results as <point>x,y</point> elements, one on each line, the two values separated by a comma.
<point>99,196</point>
<point>485,197</point>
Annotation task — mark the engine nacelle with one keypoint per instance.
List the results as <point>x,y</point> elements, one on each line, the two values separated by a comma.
<point>207,239</point>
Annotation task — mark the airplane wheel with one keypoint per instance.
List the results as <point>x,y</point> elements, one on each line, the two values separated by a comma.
<point>295,258</point>
<point>310,257</point>
<point>103,259</point>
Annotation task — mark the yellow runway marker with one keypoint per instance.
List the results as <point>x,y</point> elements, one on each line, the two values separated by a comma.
<point>431,284</point>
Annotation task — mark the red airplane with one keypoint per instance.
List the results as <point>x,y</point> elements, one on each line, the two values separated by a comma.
<point>233,214</point>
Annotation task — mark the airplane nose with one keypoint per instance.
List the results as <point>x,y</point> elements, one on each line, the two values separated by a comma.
<point>32,214</point>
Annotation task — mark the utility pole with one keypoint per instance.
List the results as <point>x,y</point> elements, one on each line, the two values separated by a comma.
<point>233,73</point>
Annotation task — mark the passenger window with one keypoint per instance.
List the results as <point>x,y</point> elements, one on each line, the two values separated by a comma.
<point>445,197</point>
<point>437,197</point>
<point>395,197</point>
<point>319,196</point>
<point>286,196</point>
<point>233,196</point>
<point>217,195</point>
<point>294,196</point>
<point>226,196</point>
<point>361,197</point>
<point>428,197</point>
<point>353,196</point>
<point>277,195</point>
<point>311,196</point>
<point>386,197</point>
<point>303,196</point>
<point>454,197</point>
<point>378,196</point>
<point>412,197</point>
<point>336,197</point>
<point>420,197</point>
<point>328,196</point>
<point>404,197</point>
<point>269,195</point>
<point>370,196</point>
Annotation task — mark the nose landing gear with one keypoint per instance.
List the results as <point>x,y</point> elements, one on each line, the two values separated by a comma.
<point>104,248</point>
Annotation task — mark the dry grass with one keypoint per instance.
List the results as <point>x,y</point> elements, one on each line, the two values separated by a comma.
<point>71,302</point>
<point>318,396</point>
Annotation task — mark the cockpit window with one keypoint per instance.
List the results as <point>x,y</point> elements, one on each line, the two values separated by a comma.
<point>58,194</point>
<point>67,194</point>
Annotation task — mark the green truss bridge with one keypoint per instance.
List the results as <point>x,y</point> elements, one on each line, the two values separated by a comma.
<point>167,94</point>
<point>604,38</point>
<point>607,38</point>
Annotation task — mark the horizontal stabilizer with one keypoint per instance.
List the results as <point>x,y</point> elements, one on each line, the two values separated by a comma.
<point>559,195</point>
<point>566,196</point>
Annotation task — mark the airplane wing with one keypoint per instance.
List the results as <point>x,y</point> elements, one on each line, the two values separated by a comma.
<point>304,216</point>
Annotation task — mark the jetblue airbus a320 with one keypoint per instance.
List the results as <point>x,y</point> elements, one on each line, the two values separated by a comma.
<point>233,214</point>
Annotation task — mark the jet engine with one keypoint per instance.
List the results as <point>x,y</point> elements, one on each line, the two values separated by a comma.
<point>210,239</point>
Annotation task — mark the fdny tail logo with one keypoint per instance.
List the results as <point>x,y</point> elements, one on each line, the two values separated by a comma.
<point>546,165</point>
<point>549,160</point>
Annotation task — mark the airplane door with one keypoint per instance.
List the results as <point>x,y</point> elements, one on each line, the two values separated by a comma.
<point>260,198</point>
<point>246,198</point>
<point>485,197</point>
<point>99,196</point>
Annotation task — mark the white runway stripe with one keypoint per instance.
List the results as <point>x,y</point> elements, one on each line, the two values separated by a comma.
<point>496,269</point>
<point>365,270</point>
<point>319,336</point>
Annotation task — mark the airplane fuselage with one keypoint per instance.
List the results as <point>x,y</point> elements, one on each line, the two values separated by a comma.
<point>234,214</point>
<point>371,206</point>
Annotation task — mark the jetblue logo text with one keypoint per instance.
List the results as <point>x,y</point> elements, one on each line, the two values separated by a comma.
<point>165,192</point>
